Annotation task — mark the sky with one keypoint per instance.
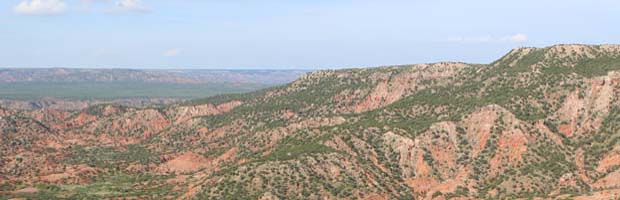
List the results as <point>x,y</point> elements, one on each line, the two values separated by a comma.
<point>292,34</point>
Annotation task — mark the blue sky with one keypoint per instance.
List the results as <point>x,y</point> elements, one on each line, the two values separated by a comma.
<point>306,34</point>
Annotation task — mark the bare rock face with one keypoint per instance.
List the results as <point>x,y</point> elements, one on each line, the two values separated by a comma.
<point>611,180</point>
<point>185,113</point>
<point>441,157</point>
<point>584,109</point>
<point>187,162</point>
<point>192,162</point>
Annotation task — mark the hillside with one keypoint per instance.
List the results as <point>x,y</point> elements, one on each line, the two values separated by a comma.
<point>536,123</point>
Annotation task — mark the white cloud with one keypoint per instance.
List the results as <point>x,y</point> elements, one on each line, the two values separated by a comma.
<point>490,39</point>
<point>40,7</point>
<point>172,52</point>
<point>131,5</point>
<point>518,38</point>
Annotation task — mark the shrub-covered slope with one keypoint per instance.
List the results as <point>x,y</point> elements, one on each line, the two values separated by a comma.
<point>538,122</point>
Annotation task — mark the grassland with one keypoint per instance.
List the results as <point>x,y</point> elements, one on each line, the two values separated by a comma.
<point>115,90</point>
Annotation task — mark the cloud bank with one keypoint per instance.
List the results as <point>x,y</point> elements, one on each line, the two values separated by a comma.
<point>131,5</point>
<point>55,7</point>
<point>40,7</point>
<point>172,52</point>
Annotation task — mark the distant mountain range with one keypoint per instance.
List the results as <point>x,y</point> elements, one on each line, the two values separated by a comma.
<point>70,89</point>
<point>9,75</point>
